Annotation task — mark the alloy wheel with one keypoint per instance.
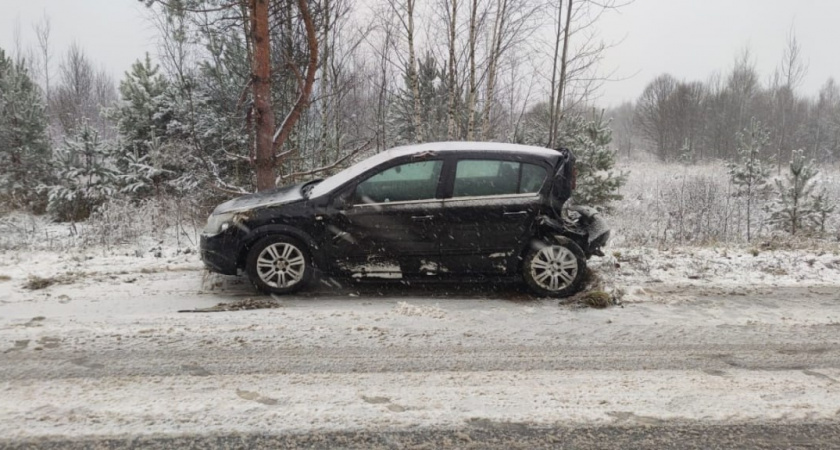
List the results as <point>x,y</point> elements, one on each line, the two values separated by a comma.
<point>281,265</point>
<point>554,268</point>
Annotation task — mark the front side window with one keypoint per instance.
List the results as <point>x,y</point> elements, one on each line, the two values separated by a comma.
<point>479,178</point>
<point>405,182</point>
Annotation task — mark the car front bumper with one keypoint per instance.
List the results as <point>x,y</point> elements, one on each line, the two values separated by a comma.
<point>219,253</point>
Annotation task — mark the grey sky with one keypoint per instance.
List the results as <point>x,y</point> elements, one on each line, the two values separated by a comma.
<point>690,39</point>
<point>113,33</point>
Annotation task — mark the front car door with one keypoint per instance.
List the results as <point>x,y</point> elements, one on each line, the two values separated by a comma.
<point>489,213</point>
<point>389,224</point>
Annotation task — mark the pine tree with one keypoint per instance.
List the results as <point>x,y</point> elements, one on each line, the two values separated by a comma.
<point>144,111</point>
<point>434,98</point>
<point>154,123</point>
<point>534,126</point>
<point>796,205</point>
<point>85,176</point>
<point>24,145</point>
<point>748,175</point>
<point>142,175</point>
<point>598,181</point>
<point>822,207</point>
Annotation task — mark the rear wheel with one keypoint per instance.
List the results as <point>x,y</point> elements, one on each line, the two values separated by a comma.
<point>278,265</point>
<point>555,268</point>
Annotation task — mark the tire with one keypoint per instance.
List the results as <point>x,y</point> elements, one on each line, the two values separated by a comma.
<point>555,268</point>
<point>279,265</point>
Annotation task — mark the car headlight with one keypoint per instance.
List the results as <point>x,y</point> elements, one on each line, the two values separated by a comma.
<point>217,223</point>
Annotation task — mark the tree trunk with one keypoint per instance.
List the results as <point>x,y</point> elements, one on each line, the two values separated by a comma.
<point>325,84</point>
<point>471,98</point>
<point>561,90</point>
<point>495,54</point>
<point>450,129</point>
<point>419,134</point>
<point>552,99</point>
<point>261,86</point>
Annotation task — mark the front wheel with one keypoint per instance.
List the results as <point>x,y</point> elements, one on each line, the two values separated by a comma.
<point>278,265</point>
<point>554,269</point>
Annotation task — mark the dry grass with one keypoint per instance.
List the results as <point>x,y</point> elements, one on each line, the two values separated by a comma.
<point>34,282</point>
<point>596,299</point>
<point>595,293</point>
<point>240,305</point>
<point>5,278</point>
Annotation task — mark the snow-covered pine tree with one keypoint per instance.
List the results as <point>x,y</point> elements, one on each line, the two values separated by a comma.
<point>24,145</point>
<point>598,181</point>
<point>434,100</point>
<point>532,129</point>
<point>822,207</point>
<point>748,174</point>
<point>85,176</point>
<point>796,204</point>
<point>143,175</point>
<point>154,123</point>
<point>143,112</point>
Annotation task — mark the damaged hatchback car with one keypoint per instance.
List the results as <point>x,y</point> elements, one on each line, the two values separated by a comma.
<point>451,209</point>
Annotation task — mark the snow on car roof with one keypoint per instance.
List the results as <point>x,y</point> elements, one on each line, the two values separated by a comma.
<point>467,146</point>
<point>355,170</point>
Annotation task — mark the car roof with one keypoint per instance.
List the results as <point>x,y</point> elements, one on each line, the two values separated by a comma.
<point>357,169</point>
<point>463,146</point>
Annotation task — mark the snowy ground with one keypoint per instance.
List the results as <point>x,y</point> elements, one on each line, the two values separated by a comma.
<point>704,335</point>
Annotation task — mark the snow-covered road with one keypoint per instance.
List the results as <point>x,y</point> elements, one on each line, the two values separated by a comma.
<point>108,354</point>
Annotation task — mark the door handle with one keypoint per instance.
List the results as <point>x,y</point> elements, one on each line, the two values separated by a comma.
<point>421,218</point>
<point>516,213</point>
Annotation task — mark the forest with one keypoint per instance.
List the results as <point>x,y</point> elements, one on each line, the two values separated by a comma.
<point>245,95</point>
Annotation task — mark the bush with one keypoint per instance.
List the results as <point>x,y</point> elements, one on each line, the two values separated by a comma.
<point>85,177</point>
<point>668,204</point>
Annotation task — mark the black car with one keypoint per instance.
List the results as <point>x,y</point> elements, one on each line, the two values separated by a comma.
<point>443,209</point>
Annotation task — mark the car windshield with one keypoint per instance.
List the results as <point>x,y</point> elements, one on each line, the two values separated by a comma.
<point>331,183</point>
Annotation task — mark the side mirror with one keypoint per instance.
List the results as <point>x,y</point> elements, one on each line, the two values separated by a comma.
<point>342,201</point>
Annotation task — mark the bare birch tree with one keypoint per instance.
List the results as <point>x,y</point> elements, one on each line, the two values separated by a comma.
<point>404,10</point>
<point>496,40</point>
<point>473,87</point>
<point>787,78</point>
<point>451,70</point>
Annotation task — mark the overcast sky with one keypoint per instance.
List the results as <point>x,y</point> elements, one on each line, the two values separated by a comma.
<point>690,39</point>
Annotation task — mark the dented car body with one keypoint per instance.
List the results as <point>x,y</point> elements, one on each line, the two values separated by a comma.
<point>448,209</point>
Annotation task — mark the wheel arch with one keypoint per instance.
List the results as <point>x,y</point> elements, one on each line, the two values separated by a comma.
<point>549,239</point>
<point>544,236</point>
<point>278,230</point>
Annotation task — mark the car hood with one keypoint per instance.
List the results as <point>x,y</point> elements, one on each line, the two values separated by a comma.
<point>271,197</point>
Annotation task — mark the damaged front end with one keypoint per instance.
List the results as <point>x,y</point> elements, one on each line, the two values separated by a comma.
<point>581,224</point>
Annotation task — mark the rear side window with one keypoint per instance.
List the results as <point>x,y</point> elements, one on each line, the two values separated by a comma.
<point>533,177</point>
<point>479,178</point>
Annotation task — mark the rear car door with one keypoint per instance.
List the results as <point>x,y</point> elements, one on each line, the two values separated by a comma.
<point>391,223</point>
<point>489,213</point>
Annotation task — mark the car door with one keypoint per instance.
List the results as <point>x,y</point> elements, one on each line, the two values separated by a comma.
<point>389,225</point>
<point>489,213</point>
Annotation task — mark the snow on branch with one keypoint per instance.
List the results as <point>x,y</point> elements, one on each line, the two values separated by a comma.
<point>334,164</point>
